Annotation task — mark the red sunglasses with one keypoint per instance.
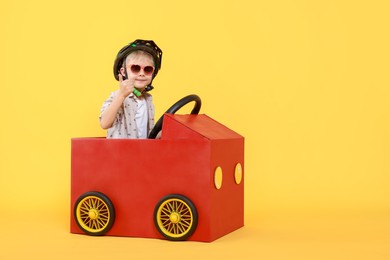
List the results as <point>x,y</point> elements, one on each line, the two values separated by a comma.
<point>148,70</point>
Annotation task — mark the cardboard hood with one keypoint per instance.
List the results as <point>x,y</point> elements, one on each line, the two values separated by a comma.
<point>195,127</point>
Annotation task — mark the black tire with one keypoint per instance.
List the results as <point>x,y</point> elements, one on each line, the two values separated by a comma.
<point>175,217</point>
<point>94,213</point>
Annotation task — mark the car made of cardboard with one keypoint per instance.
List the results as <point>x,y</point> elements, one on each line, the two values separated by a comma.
<point>186,185</point>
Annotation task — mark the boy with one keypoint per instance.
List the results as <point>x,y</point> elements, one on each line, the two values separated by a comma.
<point>129,111</point>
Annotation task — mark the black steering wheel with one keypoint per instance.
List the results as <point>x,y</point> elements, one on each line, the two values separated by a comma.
<point>173,109</point>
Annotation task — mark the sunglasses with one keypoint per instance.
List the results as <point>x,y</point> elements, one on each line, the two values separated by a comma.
<point>148,70</point>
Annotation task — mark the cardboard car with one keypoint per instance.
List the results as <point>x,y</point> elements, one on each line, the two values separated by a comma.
<point>187,185</point>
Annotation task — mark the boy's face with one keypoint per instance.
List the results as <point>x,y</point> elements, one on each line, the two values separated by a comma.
<point>140,69</point>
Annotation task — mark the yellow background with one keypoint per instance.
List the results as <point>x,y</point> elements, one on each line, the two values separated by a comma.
<point>306,82</point>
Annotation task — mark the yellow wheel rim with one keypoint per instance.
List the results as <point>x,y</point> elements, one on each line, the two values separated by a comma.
<point>93,214</point>
<point>175,218</point>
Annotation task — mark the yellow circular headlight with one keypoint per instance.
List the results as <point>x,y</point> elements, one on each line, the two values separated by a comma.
<point>218,177</point>
<point>238,173</point>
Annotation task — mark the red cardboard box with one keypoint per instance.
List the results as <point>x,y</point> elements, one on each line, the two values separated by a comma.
<point>188,185</point>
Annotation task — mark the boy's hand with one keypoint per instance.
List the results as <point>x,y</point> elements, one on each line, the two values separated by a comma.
<point>126,87</point>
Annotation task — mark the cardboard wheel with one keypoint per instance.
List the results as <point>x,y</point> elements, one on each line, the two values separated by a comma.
<point>94,213</point>
<point>175,217</point>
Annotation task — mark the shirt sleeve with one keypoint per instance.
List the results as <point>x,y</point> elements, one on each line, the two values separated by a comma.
<point>106,104</point>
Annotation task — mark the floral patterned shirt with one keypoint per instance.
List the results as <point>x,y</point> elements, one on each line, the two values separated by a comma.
<point>125,125</point>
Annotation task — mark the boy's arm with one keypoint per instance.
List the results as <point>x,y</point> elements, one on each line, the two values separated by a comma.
<point>107,118</point>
